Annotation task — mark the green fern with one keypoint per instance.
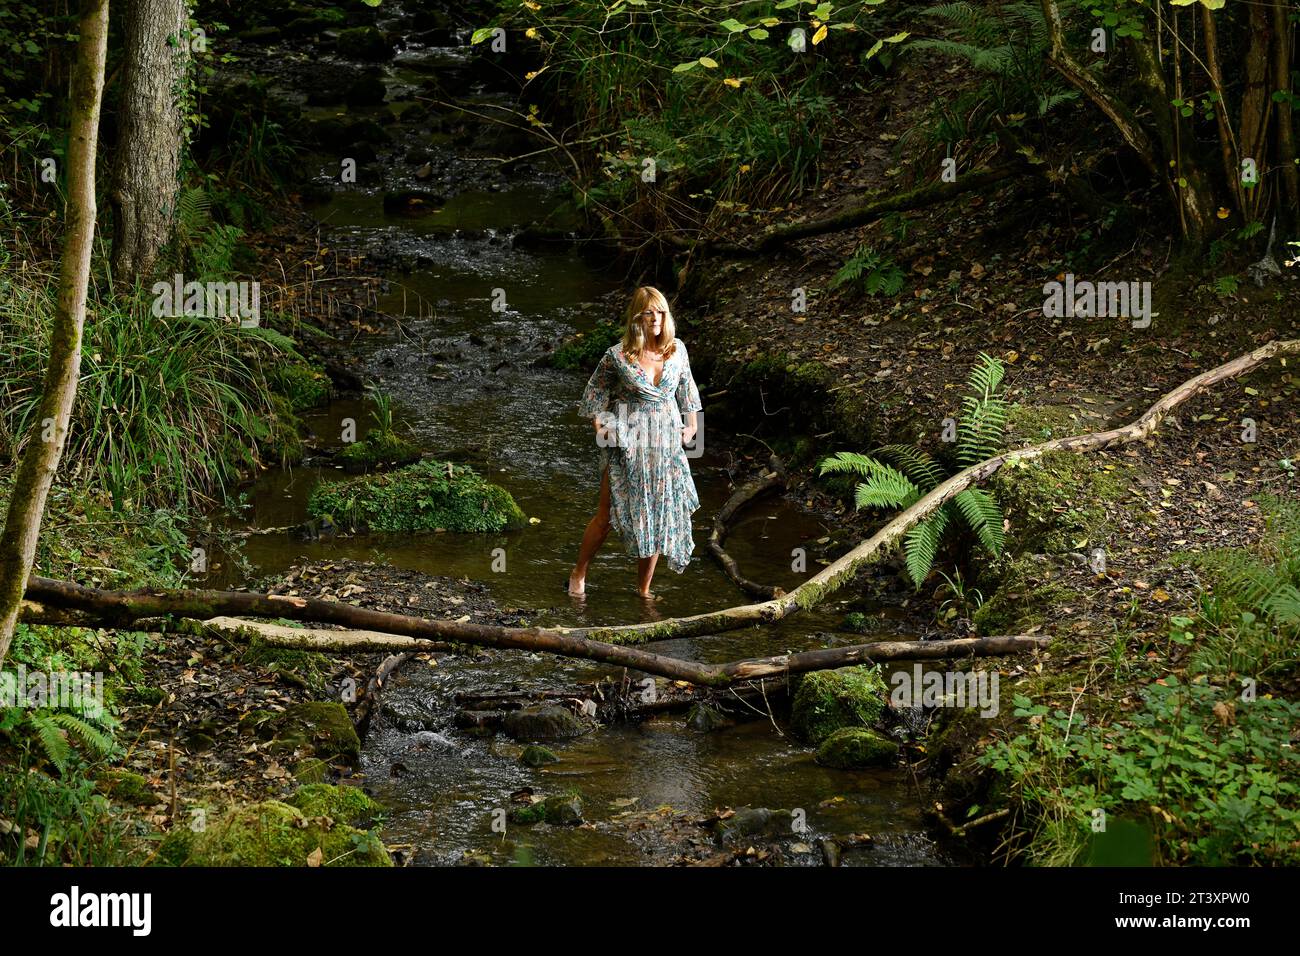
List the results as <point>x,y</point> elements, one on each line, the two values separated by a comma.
<point>907,473</point>
<point>921,545</point>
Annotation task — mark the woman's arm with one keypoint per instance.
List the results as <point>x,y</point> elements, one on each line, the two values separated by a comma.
<point>688,398</point>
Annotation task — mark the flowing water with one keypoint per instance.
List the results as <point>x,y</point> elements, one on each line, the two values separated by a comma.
<point>465,386</point>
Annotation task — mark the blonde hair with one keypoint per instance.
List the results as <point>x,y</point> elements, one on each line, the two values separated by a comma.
<point>634,334</point>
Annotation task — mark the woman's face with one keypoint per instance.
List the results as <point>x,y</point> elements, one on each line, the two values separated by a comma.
<point>653,319</point>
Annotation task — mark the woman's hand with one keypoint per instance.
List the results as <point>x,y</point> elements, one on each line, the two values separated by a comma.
<point>688,433</point>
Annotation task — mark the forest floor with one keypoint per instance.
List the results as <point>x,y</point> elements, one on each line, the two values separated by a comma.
<point>864,371</point>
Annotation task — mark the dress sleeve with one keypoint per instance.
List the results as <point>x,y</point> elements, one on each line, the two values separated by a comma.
<point>598,396</point>
<point>688,396</point>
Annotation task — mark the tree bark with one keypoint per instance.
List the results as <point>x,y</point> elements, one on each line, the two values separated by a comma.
<point>49,433</point>
<point>1286,154</point>
<point>146,164</point>
<point>1256,104</point>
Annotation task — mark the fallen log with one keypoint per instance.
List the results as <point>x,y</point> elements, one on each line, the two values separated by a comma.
<point>858,214</point>
<point>370,702</point>
<point>772,481</point>
<point>415,634</point>
<point>608,644</point>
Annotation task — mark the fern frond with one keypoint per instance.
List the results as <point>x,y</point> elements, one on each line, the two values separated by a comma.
<point>87,734</point>
<point>982,515</point>
<point>986,376</point>
<point>889,489</point>
<point>981,431</point>
<point>53,742</point>
<point>921,545</point>
<point>918,465</point>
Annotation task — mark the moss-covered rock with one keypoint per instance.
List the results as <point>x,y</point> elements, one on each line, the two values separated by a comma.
<point>322,728</point>
<point>537,756</point>
<point>543,722</point>
<point>1026,593</point>
<point>307,669</point>
<point>829,700</point>
<point>127,787</point>
<point>271,833</point>
<point>561,810</point>
<point>429,496</point>
<point>364,43</point>
<point>378,448</point>
<point>343,804</point>
<point>1058,502</point>
<point>852,748</point>
<point>305,386</point>
<point>752,823</point>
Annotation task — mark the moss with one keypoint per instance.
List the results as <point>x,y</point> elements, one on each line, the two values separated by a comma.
<point>584,350</point>
<point>311,770</point>
<point>559,810</point>
<point>1057,502</point>
<point>857,622</point>
<point>378,448</point>
<point>344,804</point>
<point>1032,424</point>
<point>419,497</point>
<point>1025,595</point>
<point>536,756</point>
<point>283,442</point>
<point>271,833</point>
<point>322,727</point>
<point>827,701</point>
<point>127,787</point>
<point>304,386</point>
<point>305,668</point>
<point>852,748</point>
<point>364,43</point>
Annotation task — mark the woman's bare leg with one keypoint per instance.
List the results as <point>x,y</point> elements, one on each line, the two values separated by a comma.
<point>645,571</point>
<point>595,535</point>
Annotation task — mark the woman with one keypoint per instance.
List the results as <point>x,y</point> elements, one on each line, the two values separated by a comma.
<point>636,399</point>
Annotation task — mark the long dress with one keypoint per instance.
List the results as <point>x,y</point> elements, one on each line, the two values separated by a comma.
<point>651,492</point>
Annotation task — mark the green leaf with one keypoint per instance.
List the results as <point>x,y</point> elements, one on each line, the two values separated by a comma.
<point>683,67</point>
<point>758,33</point>
<point>732,25</point>
<point>708,62</point>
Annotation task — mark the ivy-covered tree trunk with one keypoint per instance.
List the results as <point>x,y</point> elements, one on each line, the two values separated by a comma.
<point>40,458</point>
<point>150,135</point>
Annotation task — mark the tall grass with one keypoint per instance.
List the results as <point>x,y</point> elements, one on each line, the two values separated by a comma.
<point>167,410</point>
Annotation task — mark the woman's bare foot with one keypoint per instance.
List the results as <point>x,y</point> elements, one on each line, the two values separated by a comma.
<point>577,586</point>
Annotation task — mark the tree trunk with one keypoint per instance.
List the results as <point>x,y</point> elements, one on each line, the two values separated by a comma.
<point>150,132</point>
<point>40,459</point>
<point>1286,155</point>
<point>1256,101</point>
<point>1191,193</point>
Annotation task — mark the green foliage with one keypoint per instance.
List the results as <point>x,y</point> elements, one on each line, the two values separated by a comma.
<point>1005,45</point>
<point>1214,779</point>
<point>907,473</point>
<point>584,350</point>
<point>1248,622</point>
<point>428,496</point>
<point>870,272</point>
<point>168,408</point>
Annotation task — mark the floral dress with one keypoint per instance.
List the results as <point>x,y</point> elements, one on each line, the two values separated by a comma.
<point>651,493</point>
